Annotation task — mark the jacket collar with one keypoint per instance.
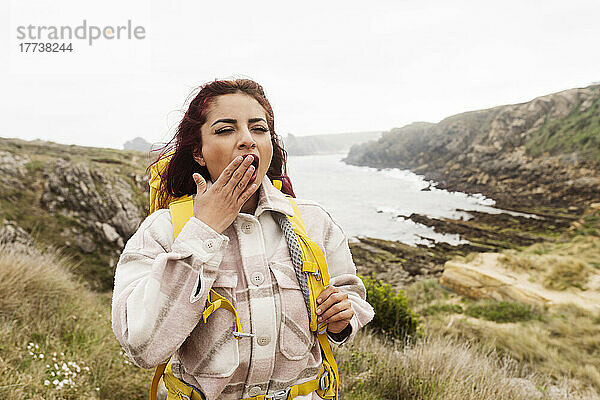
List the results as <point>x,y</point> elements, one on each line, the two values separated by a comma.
<point>269,199</point>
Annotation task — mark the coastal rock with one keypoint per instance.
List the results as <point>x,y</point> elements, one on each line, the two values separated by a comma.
<point>12,169</point>
<point>86,201</point>
<point>486,278</point>
<point>91,196</point>
<point>502,153</point>
<point>16,238</point>
<point>12,233</point>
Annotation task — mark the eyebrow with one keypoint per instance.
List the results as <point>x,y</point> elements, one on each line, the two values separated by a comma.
<point>234,121</point>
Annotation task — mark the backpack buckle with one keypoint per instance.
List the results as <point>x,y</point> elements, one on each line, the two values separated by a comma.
<point>322,328</point>
<point>238,335</point>
<point>317,275</point>
<point>322,384</point>
<point>279,395</point>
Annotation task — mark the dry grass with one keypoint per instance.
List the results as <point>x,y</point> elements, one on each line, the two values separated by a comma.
<point>45,311</point>
<point>558,265</point>
<point>562,343</point>
<point>441,368</point>
<point>56,340</point>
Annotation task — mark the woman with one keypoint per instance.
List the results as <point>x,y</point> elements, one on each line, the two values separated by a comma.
<point>227,153</point>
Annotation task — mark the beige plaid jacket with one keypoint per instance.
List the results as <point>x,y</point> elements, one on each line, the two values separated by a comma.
<point>162,283</point>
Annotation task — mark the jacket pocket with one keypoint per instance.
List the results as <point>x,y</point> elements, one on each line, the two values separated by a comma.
<point>211,350</point>
<point>295,338</point>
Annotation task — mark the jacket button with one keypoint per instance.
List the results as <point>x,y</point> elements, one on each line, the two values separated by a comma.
<point>257,278</point>
<point>254,391</point>
<point>263,340</point>
<point>247,227</point>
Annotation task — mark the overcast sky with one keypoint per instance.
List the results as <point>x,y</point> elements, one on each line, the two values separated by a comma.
<point>327,66</point>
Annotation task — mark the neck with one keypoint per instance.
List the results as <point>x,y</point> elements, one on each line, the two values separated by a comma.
<point>250,205</point>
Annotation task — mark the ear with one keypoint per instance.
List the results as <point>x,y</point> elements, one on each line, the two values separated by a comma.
<point>198,157</point>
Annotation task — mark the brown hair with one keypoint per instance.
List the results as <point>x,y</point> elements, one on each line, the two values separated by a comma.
<point>176,179</point>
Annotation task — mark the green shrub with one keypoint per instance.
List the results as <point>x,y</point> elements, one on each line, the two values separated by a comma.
<point>502,311</point>
<point>392,315</point>
<point>442,308</point>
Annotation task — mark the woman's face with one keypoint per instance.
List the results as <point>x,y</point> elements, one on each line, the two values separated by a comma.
<point>236,125</point>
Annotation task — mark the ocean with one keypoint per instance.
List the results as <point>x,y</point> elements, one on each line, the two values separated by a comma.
<point>372,202</point>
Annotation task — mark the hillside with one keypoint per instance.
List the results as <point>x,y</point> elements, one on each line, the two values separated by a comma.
<point>294,145</point>
<point>326,144</point>
<point>57,343</point>
<point>87,201</point>
<point>138,144</point>
<point>542,152</point>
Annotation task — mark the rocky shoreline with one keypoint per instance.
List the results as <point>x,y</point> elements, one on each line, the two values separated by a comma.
<point>400,265</point>
<point>539,157</point>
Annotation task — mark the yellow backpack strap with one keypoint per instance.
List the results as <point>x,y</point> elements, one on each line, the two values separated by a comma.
<point>158,372</point>
<point>314,262</point>
<point>157,169</point>
<point>181,211</point>
<point>177,388</point>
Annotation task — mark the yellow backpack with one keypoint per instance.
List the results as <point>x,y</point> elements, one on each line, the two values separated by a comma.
<point>313,264</point>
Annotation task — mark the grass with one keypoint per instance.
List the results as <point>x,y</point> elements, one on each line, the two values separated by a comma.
<point>501,312</point>
<point>437,367</point>
<point>558,265</point>
<point>56,337</point>
<point>578,132</point>
<point>561,342</point>
<point>56,342</point>
<point>56,229</point>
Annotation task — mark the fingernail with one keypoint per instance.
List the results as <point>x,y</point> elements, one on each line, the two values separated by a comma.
<point>320,318</point>
<point>318,311</point>
<point>319,300</point>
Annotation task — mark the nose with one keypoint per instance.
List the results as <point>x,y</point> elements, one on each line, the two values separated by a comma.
<point>246,139</point>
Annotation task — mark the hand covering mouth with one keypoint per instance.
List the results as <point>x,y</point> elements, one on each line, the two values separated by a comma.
<point>255,164</point>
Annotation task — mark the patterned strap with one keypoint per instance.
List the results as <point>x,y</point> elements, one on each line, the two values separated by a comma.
<point>296,254</point>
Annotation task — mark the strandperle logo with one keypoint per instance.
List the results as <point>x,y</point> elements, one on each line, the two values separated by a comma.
<point>87,32</point>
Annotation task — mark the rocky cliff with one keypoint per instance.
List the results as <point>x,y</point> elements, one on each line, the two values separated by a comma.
<point>86,201</point>
<point>542,152</point>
